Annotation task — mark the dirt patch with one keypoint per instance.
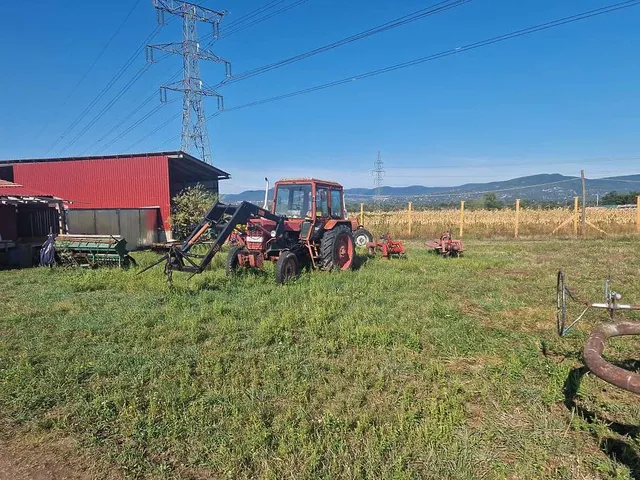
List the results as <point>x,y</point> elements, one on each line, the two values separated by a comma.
<point>473,364</point>
<point>511,273</point>
<point>46,459</point>
<point>528,319</point>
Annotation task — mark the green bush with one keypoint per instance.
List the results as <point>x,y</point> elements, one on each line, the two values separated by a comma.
<point>188,208</point>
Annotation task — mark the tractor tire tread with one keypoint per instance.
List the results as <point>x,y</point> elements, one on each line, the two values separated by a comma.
<point>232,260</point>
<point>327,246</point>
<point>281,274</point>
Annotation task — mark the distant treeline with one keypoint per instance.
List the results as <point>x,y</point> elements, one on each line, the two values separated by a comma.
<point>615,198</point>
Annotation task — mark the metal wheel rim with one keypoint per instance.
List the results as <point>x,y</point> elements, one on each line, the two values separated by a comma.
<point>290,268</point>
<point>561,304</point>
<point>344,252</point>
<point>361,240</point>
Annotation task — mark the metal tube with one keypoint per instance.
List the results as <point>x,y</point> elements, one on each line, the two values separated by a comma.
<point>618,306</point>
<point>266,193</point>
<point>608,372</point>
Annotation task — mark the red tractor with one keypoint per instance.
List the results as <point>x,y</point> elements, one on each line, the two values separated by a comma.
<point>307,225</point>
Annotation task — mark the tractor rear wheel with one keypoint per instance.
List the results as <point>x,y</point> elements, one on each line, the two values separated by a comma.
<point>337,249</point>
<point>361,237</point>
<point>286,267</point>
<point>232,260</point>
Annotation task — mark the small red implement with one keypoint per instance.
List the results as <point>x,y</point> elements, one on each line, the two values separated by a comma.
<point>446,246</point>
<point>387,246</point>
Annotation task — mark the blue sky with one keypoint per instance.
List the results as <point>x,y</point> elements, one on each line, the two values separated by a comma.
<point>554,101</point>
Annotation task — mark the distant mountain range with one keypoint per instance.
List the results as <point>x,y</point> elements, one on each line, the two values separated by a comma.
<point>543,187</point>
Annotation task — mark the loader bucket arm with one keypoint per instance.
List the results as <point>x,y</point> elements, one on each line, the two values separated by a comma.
<point>221,219</point>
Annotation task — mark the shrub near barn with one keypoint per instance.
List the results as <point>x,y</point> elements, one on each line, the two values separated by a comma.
<point>188,208</point>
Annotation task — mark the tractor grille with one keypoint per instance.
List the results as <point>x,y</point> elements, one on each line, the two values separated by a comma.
<point>255,243</point>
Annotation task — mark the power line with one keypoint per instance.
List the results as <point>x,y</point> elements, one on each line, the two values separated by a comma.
<point>120,123</point>
<point>378,176</point>
<point>156,130</point>
<point>106,88</point>
<point>139,122</point>
<point>254,13</point>
<point>446,53</point>
<point>443,54</point>
<point>398,22</point>
<point>230,31</point>
<point>86,73</point>
<point>108,106</point>
<point>449,166</point>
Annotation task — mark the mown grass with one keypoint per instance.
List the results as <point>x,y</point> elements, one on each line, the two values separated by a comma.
<point>416,368</point>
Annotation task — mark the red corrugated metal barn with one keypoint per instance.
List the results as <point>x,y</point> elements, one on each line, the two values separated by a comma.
<point>117,182</point>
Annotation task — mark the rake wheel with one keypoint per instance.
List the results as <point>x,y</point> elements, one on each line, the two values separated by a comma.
<point>561,305</point>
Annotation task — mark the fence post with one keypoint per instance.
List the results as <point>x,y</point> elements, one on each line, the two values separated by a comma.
<point>410,218</point>
<point>517,216</point>
<point>637,214</point>
<point>461,218</point>
<point>362,214</point>
<point>575,216</point>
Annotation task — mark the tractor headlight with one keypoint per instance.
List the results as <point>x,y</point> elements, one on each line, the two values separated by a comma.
<point>273,234</point>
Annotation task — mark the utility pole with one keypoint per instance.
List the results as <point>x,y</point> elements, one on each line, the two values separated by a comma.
<point>583,220</point>
<point>378,177</point>
<point>195,136</point>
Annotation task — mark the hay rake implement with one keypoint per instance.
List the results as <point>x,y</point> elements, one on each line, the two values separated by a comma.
<point>565,293</point>
<point>596,342</point>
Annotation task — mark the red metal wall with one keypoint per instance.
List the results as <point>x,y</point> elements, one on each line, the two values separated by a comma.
<point>127,182</point>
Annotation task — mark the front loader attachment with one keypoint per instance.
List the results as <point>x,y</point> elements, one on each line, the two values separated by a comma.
<point>220,223</point>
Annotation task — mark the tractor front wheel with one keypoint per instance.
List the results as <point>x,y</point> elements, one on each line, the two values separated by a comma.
<point>232,260</point>
<point>286,267</point>
<point>361,237</point>
<point>337,249</point>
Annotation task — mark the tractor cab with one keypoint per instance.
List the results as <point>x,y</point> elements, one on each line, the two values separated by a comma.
<point>308,198</point>
<point>309,206</point>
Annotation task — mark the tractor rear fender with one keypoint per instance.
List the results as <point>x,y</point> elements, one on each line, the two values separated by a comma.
<point>333,223</point>
<point>355,223</point>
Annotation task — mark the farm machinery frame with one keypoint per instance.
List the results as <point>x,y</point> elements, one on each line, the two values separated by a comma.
<point>306,226</point>
<point>596,342</point>
<point>446,246</point>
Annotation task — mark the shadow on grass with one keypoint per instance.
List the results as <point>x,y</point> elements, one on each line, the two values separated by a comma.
<point>360,260</point>
<point>616,448</point>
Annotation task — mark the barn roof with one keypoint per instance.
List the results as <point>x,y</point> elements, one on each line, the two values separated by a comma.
<point>180,159</point>
<point>14,193</point>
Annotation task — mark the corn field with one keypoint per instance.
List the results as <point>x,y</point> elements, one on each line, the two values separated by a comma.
<point>501,223</point>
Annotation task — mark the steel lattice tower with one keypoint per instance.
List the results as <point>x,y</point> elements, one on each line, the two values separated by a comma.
<point>378,177</point>
<point>195,135</point>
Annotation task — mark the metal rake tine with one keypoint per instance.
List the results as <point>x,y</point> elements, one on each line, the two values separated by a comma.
<point>162,259</point>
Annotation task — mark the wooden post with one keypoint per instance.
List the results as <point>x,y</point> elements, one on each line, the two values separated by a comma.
<point>638,214</point>
<point>410,219</point>
<point>583,223</point>
<point>575,215</point>
<point>362,214</point>
<point>517,216</point>
<point>461,218</point>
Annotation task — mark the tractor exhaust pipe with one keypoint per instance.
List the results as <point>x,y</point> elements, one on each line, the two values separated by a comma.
<point>266,193</point>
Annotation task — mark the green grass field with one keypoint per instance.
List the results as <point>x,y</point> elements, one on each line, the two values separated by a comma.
<point>416,368</point>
